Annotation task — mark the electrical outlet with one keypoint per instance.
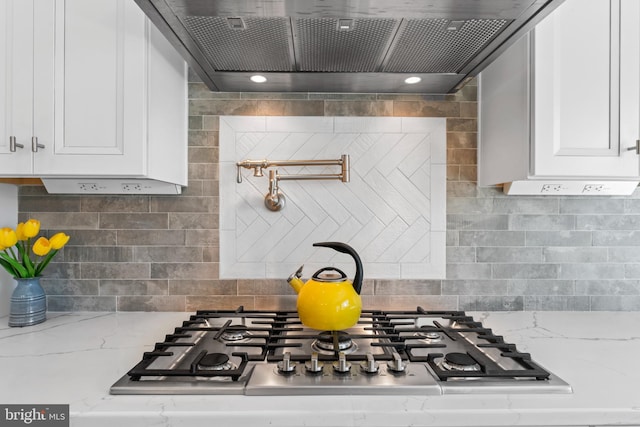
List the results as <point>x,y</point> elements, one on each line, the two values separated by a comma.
<point>594,189</point>
<point>132,187</point>
<point>90,187</point>
<point>551,188</point>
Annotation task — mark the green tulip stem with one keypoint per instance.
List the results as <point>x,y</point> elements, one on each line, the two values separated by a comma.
<point>13,254</point>
<point>7,266</point>
<point>26,260</point>
<point>16,266</point>
<point>45,262</point>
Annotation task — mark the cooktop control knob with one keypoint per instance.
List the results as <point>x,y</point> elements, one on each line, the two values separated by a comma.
<point>396,365</point>
<point>342,366</point>
<point>285,366</point>
<point>369,366</point>
<point>313,366</point>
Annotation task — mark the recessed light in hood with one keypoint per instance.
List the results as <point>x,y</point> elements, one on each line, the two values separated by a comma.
<point>342,45</point>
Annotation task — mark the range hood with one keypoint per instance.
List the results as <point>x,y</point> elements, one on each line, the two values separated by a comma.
<point>342,45</point>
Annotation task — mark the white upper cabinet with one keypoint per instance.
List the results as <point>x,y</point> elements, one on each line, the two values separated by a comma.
<point>99,106</point>
<point>564,101</point>
<point>17,102</point>
<point>81,77</point>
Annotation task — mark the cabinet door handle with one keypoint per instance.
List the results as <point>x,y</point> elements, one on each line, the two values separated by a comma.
<point>13,144</point>
<point>35,145</point>
<point>635,148</point>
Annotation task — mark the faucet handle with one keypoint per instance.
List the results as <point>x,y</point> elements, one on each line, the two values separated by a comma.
<point>239,173</point>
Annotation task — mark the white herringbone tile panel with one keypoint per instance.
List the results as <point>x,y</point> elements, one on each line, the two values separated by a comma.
<point>392,211</point>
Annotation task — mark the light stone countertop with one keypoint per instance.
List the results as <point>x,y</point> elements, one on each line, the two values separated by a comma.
<point>75,357</point>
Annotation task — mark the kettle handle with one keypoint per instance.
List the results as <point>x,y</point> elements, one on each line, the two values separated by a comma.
<point>322,270</point>
<point>346,249</point>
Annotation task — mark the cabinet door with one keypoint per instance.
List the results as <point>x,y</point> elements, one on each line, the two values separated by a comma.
<point>576,88</point>
<point>629,73</point>
<point>16,85</point>
<point>100,91</point>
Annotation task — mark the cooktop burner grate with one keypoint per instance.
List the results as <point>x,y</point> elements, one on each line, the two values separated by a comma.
<point>387,352</point>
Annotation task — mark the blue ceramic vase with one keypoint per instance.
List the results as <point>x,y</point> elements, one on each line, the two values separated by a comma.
<point>28,303</point>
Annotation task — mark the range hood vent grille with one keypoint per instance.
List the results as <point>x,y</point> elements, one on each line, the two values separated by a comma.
<point>428,46</point>
<point>342,45</point>
<point>264,44</point>
<point>322,46</point>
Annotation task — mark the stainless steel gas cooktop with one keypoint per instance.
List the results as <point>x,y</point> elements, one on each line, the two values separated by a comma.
<point>387,353</point>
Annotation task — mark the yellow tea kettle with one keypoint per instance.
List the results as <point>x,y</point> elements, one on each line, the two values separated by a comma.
<point>328,301</point>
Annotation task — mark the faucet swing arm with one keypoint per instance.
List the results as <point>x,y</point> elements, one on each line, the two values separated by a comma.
<point>259,165</point>
<point>275,200</point>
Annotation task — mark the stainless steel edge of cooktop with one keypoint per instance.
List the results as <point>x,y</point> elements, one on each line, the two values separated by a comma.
<point>179,386</point>
<point>265,381</point>
<point>552,385</point>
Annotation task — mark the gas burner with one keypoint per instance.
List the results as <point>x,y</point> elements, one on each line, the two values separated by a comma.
<point>324,343</point>
<point>235,333</point>
<point>459,362</point>
<point>216,362</point>
<point>429,333</point>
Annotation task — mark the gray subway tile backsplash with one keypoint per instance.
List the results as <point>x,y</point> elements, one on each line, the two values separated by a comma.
<point>542,222</point>
<point>151,303</point>
<point>492,303</point>
<point>468,271</point>
<point>133,221</point>
<point>456,254</point>
<point>556,303</point>
<point>159,253</point>
<point>572,254</point>
<point>166,254</point>
<point>492,238</point>
<point>475,287</point>
<point>81,303</point>
<point>526,205</point>
<point>407,287</point>
<point>592,205</point>
<point>180,270</point>
<point>134,287</point>
<point>615,303</point>
<point>113,204</point>
<point>607,287</point>
<point>558,238</point>
<point>632,271</point>
<point>509,254</point>
<point>151,237</point>
<point>477,222</point>
<point>608,222</point>
<point>590,271</point>
<point>525,271</point>
<point>541,287</point>
<point>616,238</point>
<point>70,286</point>
<point>98,253</point>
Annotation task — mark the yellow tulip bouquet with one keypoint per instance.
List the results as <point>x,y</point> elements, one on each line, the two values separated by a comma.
<point>16,247</point>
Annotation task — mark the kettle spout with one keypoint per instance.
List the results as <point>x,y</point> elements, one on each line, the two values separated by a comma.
<point>294,280</point>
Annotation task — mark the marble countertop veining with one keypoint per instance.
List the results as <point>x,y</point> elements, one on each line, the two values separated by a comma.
<point>75,357</point>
